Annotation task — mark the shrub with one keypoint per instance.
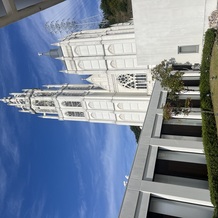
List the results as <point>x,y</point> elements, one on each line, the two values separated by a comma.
<point>209,132</point>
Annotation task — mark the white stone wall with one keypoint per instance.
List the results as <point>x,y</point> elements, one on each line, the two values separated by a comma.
<point>162,26</point>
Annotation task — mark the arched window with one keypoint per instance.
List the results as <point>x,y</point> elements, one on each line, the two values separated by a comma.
<point>133,81</point>
<point>127,80</point>
<point>21,101</point>
<point>39,94</point>
<point>44,103</point>
<point>75,114</point>
<point>72,104</point>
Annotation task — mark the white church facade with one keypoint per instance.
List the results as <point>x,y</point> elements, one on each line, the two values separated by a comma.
<point>108,56</point>
<point>118,91</point>
<point>83,102</point>
<point>168,176</point>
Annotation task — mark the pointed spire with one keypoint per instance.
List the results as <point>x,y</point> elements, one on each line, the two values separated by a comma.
<point>3,100</point>
<point>6,100</point>
<point>44,54</point>
<point>53,53</point>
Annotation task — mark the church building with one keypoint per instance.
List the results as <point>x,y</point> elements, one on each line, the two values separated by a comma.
<point>118,91</point>
<point>107,55</point>
<point>85,102</point>
<point>169,174</point>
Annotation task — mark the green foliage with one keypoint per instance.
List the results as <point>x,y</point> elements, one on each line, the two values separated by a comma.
<point>210,142</point>
<point>123,6</point>
<point>188,102</point>
<point>116,11</point>
<point>206,103</point>
<point>170,80</point>
<point>215,214</point>
<point>105,7</point>
<point>137,131</point>
<point>209,131</point>
<point>174,108</point>
<point>167,111</point>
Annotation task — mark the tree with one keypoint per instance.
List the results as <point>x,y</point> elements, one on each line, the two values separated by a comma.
<point>172,82</point>
<point>137,131</point>
<point>170,109</point>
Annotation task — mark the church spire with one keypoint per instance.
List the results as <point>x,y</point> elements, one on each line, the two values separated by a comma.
<point>3,100</point>
<point>53,53</point>
<point>81,102</point>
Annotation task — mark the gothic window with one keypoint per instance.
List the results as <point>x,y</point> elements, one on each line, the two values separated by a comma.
<point>141,76</point>
<point>132,81</point>
<point>21,95</point>
<point>72,104</point>
<point>39,94</point>
<point>44,103</point>
<point>22,101</point>
<point>75,114</point>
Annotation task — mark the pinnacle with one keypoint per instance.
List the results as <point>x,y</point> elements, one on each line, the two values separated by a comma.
<point>3,100</point>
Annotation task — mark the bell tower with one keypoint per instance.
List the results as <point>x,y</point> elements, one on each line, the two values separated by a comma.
<point>119,89</point>
<point>107,55</point>
<point>84,102</point>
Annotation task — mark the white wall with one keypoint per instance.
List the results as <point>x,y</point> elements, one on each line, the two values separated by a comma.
<point>162,26</point>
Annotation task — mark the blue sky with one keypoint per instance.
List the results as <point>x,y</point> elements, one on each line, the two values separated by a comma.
<point>48,168</point>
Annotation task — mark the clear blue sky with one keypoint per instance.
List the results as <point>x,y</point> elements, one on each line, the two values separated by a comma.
<point>48,168</point>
